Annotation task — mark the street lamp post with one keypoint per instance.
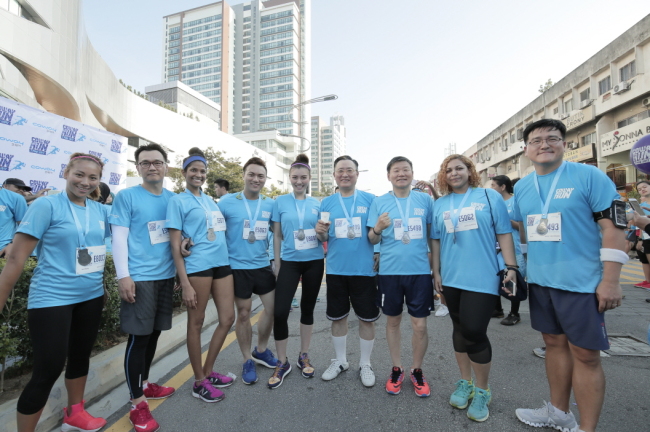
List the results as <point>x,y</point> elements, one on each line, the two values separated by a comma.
<point>300,150</point>
<point>310,101</point>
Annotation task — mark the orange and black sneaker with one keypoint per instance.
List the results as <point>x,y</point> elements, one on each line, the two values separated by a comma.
<point>420,383</point>
<point>394,383</point>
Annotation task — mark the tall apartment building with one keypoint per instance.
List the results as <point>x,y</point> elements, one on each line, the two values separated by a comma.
<point>327,143</point>
<point>251,58</point>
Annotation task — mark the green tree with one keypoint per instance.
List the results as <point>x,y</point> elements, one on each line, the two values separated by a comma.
<point>219,167</point>
<point>274,192</point>
<point>323,191</point>
<point>546,86</point>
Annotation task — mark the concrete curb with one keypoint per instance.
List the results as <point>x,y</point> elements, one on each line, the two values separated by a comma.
<point>106,373</point>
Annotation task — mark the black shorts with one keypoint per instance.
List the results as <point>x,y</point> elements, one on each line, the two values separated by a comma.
<point>214,272</point>
<point>257,281</point>
<point>416,290</point>
<point>361,291</point>
<point>152,309</point>
<point>646,250</point>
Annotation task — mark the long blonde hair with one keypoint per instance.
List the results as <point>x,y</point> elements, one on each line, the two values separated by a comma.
<point>443,186</point>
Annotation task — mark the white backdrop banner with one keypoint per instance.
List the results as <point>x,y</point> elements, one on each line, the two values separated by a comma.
<point>35,147</point>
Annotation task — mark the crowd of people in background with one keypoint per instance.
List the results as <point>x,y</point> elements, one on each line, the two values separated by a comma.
<point>448,249</point>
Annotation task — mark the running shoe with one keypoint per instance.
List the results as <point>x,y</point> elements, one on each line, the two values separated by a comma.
<point>334,369</point>
<point>641,284</point>
<point>367,375</point>
<point>218,380</point>
<point>498,313</point>
<point>207,392</point>
<point>463,393</point>
<point>155,391</point>
<point>80,419</point>
<point>141,418</point>
<point>304,365</point>
<point>420,383</point>
<point>441,310</point>
<point>294,303</point>
<point>478,409</point>
<point>540,352</point>
<point>548,416</point>
<point>265,359</point>
<point>281,371</point>
<point>511,319</point>
<point>249,374</point>
<point>394,383</point>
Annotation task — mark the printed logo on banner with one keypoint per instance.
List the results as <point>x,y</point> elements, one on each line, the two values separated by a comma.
<point>19,165</point>
<point>94,153</point>
<point>67,152</point>
<point>50,129</point>
<point>37,185</point>
<point>13,142</point>
<point>6,114</point>
<point>47,170</point>
<point>115,178</point>
<point>69,133</point>
<point>101,143</point>
<point>62,170</point>
<point>54,150</point>
<point>116,146</point>
<point>39,146</point>
<point>5,161</point>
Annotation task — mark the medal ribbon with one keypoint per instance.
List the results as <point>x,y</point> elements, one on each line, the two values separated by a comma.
<point>347,215</point>
<point>252,221</point>
<point>452,214</point>
<point>204,207</point>
<point>301,215</point>
<point>545,204</point>
<point>81,234</point>
<point>405,223</point>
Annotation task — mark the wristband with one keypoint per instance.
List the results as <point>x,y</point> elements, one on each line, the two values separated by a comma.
<point>613,255</point>
<point>377,234</point>
<point>511,266</point>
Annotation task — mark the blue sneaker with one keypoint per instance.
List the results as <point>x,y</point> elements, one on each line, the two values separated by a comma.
<point>478,409</point>
<point>249,374</point>
<point>265,359</point>
<point>463,393</point>
<point>281,371</point>
<point>305,365</point>
<point>294,303</point>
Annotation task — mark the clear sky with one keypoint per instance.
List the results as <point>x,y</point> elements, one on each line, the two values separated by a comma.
<point>411,76</point>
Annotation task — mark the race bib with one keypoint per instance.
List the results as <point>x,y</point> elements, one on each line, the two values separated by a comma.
<point>157,232</point>
<point>554,226</point>
<point>218,221</point>
<point>341,227</point>
<point>415,229</point>
<point>261,230</point>
<point>309,242</point>
<point>466,221</point>
<point>95,256</point>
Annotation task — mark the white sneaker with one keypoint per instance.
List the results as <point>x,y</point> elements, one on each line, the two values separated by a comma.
<point>442,311</point>
<point>334,369</point>
<point>547,416</point>
<point>367,375</point>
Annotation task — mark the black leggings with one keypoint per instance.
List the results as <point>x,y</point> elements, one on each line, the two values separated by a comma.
<point>470,313</point>
<point>137,360</point>
<point>514,306</point>
<point>57,333</point>
<point>285,289</point>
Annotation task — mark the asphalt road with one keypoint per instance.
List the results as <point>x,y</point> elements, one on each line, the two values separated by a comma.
<point>517,380</point>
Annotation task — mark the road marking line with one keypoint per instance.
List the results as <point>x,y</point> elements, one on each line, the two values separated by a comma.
<point>184,375</point>
<point>640,273</point>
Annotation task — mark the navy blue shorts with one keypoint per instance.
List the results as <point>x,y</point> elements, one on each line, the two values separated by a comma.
<point>417,290</point>
<point>555,311</point>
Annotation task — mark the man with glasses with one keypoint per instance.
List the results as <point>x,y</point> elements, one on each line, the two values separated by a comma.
<point>12,210</point>
<point>145,272</point>
<point>350,273</point>
<point>575,255</point>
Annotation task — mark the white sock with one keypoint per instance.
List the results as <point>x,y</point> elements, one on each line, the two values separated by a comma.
<point>145,385</point>
<point>436,302</point>
<point>340,345</point>
<point>366,351</point>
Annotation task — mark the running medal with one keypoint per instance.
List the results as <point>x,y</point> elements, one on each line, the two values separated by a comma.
<point>351,234</point>
<point>83,258</point>
<point>542,228</point>
<point>406,239</point>
<point>211,235</point>
<point>301,234</point>
<point>252,221</point>
<point>251,237</point>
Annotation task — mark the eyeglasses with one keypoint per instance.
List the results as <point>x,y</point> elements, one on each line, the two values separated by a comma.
<point>550,141</point>
<point>349,171</point>
<point>146,164</point>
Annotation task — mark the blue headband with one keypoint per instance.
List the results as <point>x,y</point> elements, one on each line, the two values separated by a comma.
<point>192,159</point>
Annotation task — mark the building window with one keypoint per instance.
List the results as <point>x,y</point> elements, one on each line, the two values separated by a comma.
<point>635,118</point>
<point>588,139</point>
<point>604,85</point>
<point>555,110</point>
<point>568,106</point>
<point>628,71</point>
<point>584,95</point>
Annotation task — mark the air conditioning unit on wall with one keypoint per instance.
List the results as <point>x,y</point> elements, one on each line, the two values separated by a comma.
<point>563,116</point>
<point>646,101</point>
<point>621,87</point>
<point>585,103</point>
<point>573,145</point>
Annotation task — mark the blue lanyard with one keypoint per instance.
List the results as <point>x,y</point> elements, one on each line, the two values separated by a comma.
<point>203,206</point>
<point>81,234</point>
<point>453,215</point>
<point>545,204</point>
<point>301,215</point>
<point>405,223</point>
<point>252,221</point>
<point>354,203</point>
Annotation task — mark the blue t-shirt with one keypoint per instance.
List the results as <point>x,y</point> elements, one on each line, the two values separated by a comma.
<point>184,213</point>
<point>510,204</point>
<point>55,281</point>
<point>135,208</point>
<point>109,240</point>
<point>245,255</point>
<point>12,210</point>
<point>398,258</point>
<point>572,264</point>
<point>284,211</point>
<point>344,256</point>
<point>472,263</point>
